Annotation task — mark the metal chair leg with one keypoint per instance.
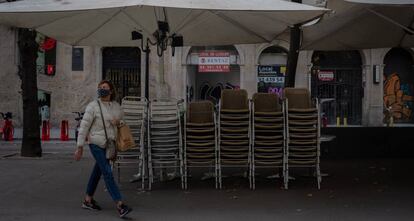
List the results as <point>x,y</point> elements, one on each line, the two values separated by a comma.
<point>143,173</point>
<point>253,176</point>
<point>220,177</point>
<point>182,175</point>
<point>318,176</point>
<point>216,175</point>
<point>150,176</point>
<point>286,177</point>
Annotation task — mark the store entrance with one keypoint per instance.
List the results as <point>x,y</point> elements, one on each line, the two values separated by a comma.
<point>122,66</point>
<point>338,75</point>
<point>210,70</point>
<point>271,71</point>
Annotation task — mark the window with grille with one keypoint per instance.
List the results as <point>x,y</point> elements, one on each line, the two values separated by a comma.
<point>122,66</point>
<point>338,75</point>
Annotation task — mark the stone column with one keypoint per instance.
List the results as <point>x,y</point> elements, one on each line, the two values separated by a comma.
<point>247,63</point>
<point>303,76</point>
<point>373,93</point>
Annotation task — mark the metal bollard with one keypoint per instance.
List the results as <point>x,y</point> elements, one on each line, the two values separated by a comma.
<point>64,130</point>
<point>45,130</point>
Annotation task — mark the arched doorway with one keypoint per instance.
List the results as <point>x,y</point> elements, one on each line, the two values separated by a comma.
<point>399,85</point>
<point>122,66</point>
<point>210,70</point>
<point>271,71</point>
<point>338,75</point>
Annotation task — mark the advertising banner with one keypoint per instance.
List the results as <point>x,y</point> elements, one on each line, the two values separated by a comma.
<point>214,61</point>
<point>271,79</point>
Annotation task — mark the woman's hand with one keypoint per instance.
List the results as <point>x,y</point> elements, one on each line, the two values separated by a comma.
<point>78,153</point>
<point>115,122</point>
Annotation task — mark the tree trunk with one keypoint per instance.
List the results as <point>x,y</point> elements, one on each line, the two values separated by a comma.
<point>28,47</point>
<point>295,35</point>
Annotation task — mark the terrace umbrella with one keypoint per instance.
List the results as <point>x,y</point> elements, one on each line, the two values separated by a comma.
<point>360,24</point>
<point>110,22</point>
<point>162,22</point>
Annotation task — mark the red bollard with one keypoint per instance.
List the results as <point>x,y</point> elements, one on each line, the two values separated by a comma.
<point>45,130</point>
<point>64,130</point>
<point>8,130</point>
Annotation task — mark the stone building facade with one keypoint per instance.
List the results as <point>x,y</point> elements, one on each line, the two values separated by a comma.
<point>170,76</point>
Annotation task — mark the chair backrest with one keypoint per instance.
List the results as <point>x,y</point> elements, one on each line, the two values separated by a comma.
<point>298,98</point>
<point>264,102</point>
<point>164,107</point>
<point>200,112</point>
<point>215,92</point>
<point>134,107</point>
<point>135,116</point>
<point>234,99</point>
<point>204,89</point>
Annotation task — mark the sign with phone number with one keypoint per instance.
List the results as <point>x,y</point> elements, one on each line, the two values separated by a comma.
<point>214,61</point>
<point>272,79</point>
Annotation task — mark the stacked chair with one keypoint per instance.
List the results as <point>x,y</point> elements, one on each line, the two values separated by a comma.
<point>276,135</point>
<point>303,132</point>
<point>135,116</point>
<point>200,148</point>
<point>268,134</point>
<point>234,131</point>
<point>165,149</point>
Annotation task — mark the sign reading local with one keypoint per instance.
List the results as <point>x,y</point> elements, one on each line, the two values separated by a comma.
<point>271,79</point>
<point>271,74</point>
<point>274,70</point>
<point>214,61</point>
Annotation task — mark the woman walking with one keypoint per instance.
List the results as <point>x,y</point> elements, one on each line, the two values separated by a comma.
<point>99,124</point>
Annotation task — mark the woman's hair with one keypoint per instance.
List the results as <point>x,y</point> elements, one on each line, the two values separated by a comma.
<point>111,87</point>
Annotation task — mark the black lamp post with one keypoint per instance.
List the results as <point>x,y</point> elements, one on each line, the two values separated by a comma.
<point>162,40</point>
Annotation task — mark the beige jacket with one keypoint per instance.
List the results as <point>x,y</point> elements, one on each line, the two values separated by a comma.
<point>91,126</point>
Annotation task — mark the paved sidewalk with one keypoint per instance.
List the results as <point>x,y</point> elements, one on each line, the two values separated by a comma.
<point>54,133</point>
<point>52,187</point>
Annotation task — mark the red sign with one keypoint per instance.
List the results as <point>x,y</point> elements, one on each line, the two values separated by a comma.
<point>326,75</point>
<point>50,69</point>
<point>213,68</point>
<point>214,61</point>
<point>48,44</point>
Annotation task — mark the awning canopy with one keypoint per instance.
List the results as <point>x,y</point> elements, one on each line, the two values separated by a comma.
<point>200,22</point>
<point>379,24</point>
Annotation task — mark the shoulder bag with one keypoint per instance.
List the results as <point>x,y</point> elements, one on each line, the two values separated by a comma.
<point>110,145</point>
<point>124,140</point>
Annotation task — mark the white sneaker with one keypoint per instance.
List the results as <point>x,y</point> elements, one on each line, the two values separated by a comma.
<point>274,176</point>
<point>135,178</point>
<point>172,176</point>
<point>208,175</point>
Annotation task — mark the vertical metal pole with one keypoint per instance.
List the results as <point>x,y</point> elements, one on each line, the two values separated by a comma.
<point>295,35</point>
<point>147,53</point>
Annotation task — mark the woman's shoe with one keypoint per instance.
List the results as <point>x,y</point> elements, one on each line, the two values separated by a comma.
<point>93,205</point>
<point>123,210</point>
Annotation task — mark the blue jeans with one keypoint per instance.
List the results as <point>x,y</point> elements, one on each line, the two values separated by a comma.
<point>102,167</point>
